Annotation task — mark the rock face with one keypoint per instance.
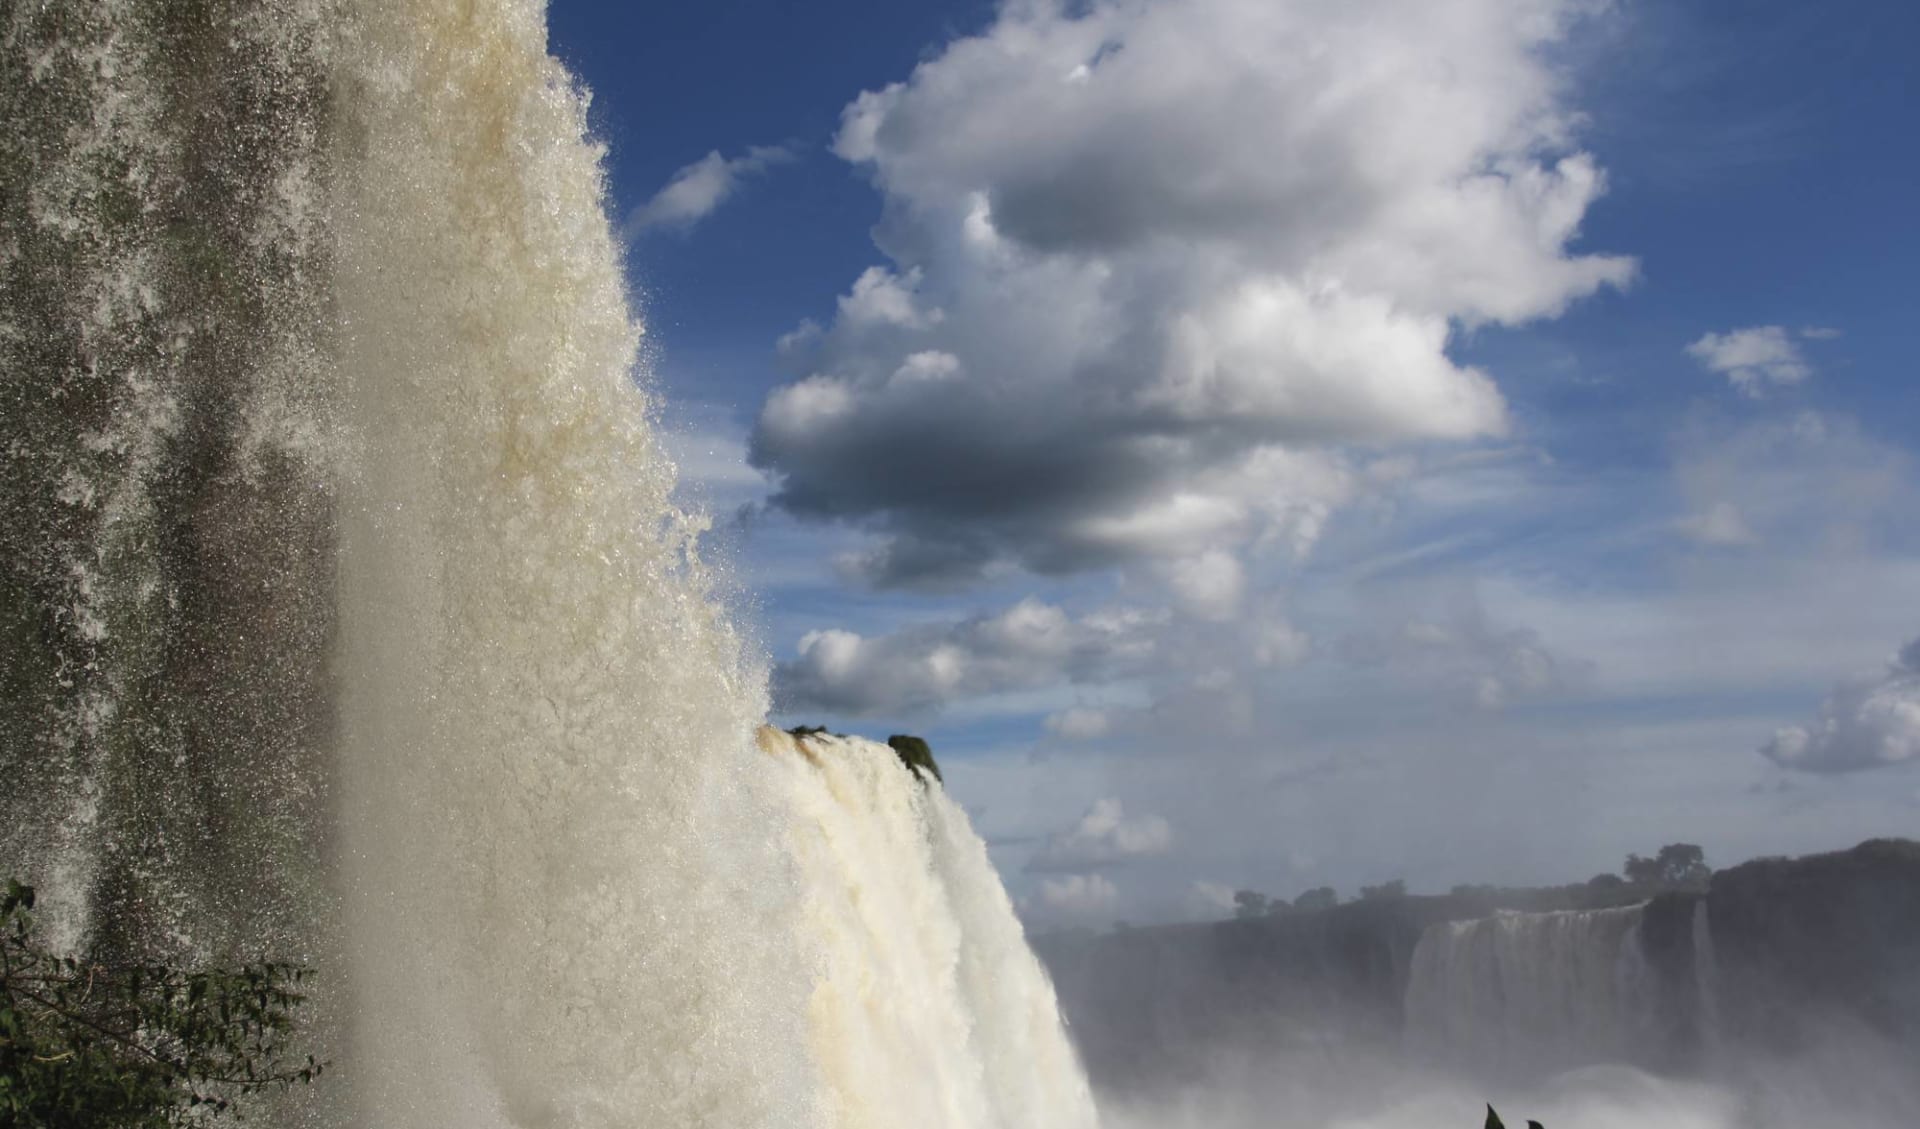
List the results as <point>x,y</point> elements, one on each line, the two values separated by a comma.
<point>1774,954</point>
<point>1803,945</point>
<point>914,753</point>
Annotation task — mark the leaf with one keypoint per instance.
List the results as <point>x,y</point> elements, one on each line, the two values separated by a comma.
<point>1493,1119</point>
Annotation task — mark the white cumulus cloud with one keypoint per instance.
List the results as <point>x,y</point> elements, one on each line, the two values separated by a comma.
<point>1152,267</point>
<point>1864,723</point>
<point>1753,358</point>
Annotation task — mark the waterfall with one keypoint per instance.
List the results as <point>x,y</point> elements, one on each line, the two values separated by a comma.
<point>1706,977</point>
<point>165,513</point>
<point>348,618</point>
<point>1529,993</point>
<point>929,1008</point>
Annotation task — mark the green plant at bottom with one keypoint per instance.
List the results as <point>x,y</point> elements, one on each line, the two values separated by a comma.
<point>1494,1122</point>
<point>86,1044</point>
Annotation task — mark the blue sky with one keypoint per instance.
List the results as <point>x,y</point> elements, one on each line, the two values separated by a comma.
<point>1288,443</point>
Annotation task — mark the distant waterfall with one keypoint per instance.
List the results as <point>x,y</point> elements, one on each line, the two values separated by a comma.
<point>1706,977</point>
<point>1525,993</point>
<point>347,617</point>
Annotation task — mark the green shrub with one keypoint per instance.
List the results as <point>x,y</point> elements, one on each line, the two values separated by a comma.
<point>914,753</point>
<point>136,1046</point>
<point>1494,1122</point>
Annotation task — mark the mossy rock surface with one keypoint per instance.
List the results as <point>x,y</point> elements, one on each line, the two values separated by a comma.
<point>914,753</point>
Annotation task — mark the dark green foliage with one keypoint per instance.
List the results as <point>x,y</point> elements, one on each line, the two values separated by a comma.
<point>1250,903</point>
<point>1494,1122</point>
<point>1318,898</point>
<point>1678,866</point>
<point>1804,944</point>
<point>136,1046</point>
<point>914,753</point>
<point>1394,889</point>
<point>812,731</point>
<point>1591,894</point>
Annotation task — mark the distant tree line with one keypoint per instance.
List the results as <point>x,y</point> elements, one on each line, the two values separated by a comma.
<point>1676,866</point>
<point>1252,903</point>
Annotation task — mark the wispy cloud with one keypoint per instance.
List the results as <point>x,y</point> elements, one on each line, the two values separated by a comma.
<point>697,190</point>
<point>1719,523</point>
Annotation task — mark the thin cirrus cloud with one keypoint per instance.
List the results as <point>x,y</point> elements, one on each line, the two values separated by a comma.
<point>1810,480</point>
<point>1865,723</point>
<point>1719,524</point>
<point>1147,277</point>
<point>696,191</point>
<point>1476,662</point>
<point>1079,723</point>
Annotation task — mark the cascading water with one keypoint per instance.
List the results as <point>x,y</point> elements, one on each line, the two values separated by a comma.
<point>929,1009</point>
<point>1524,994</point>
<point>348,618</point>
<point>1706,977</point>
<point>165,527</point>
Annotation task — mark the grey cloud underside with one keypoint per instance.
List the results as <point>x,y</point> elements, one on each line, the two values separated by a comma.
<point>951,497</point>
